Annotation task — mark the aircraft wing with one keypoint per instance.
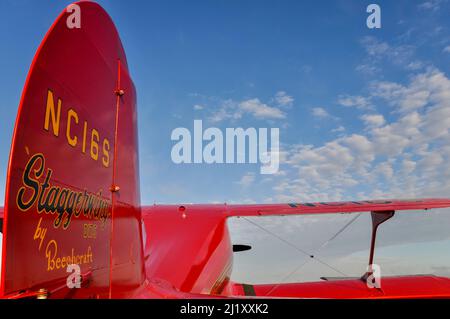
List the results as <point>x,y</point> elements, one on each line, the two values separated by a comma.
<point>416,286</point>
<point>1,213</point>
<point>335,207</point>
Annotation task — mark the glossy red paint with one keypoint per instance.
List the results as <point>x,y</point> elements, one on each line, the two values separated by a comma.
<point>189,248</point>
<point>392,288</point>
<point>77,125</point>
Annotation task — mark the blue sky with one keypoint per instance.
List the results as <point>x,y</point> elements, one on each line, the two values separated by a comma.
<point>362,113</point>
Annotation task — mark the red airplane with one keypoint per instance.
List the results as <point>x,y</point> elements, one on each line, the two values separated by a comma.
<point>73,197</point>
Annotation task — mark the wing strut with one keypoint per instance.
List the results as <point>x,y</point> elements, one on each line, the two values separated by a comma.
<point>378,218</point>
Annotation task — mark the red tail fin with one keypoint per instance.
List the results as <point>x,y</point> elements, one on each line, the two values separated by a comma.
<point>74,147</point>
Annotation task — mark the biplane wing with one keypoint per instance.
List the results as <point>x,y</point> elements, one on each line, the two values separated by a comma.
<point>336,207</point>
<point>418,286</point>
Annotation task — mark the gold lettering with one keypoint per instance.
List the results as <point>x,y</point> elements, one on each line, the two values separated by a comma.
<point>94,144</point>
<point>50,111</point>
<point>40,233</point>
<point>106,149</point>
<point>51,255</point>
<point>99,145</point>
<point>71,115</point>
<point>55,262</point>
<point>84,137</point>
<point>56,200</point>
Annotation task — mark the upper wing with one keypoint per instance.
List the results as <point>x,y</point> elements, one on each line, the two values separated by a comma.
<point>417,286</point>
<point>336,207</point>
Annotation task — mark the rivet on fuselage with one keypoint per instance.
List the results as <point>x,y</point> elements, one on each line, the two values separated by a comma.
<point>120,92</point>
<point>182,209</point>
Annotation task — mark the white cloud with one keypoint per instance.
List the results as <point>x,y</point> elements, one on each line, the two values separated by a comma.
<point>374,47</point>
<point>373,120</point>
<point>247,180</point>
<point>447,49</point>
<point>432,5</point>
<point>283,99</point>
<point>234,110</point>
<point>198,107</point>
<point>408,166</point>
<point>430,161</point>
<point>367,68</point>
<point>320,112</point>
<point>385,169</point>
<point>358,143</point>
<point>415,65</point>
<point>338,129</point>
<point>380,51</point>
<point>405,157</point>
<point>226,111</point>
<point>260,110</point>
<point>354,101</point>
<point>425,89</point>
<point>388,141</point>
